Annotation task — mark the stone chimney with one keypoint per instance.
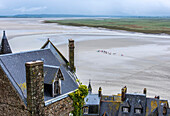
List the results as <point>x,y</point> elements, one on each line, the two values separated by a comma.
<point>125,89</point>
<point>144,91</point>
<point>35,88</point>
<point>100,92</point>
<point>71,55</point>
<point>123,94</point>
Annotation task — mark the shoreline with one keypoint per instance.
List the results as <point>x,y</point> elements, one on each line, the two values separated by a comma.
<point>119,29</point>
<point>145,61</point>
<point>141,25</point>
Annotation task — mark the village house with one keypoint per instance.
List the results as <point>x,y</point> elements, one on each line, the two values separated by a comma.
<point>124,104</point>
<point>36,82</point>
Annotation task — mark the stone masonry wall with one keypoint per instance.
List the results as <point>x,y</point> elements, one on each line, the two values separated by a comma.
<point>60,108</point>
<point>10,102</point>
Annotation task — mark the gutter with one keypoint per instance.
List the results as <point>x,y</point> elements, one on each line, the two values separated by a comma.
<point>57,98</point>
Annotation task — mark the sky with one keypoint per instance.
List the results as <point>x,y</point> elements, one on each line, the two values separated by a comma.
<point>87,7</point>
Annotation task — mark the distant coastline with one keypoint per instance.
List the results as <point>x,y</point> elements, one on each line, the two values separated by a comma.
<point>73,15</point>
<point>142,25</point>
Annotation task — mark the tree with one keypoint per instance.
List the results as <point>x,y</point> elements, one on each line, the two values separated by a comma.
<point>78,99</point>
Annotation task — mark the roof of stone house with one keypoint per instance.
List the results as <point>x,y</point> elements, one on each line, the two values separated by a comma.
<point>153,104</point>
<point>5,47</point>
<point>135,101</point>
<point>50,73</point>
<point>110,105</point>
<point>14,66</point>
<point>92,99</point>
<point>110,108</point>
<point>154,112</point>
<point>56,52</point>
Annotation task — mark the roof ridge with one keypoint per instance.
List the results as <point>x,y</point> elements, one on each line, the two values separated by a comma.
<point>25,52</point>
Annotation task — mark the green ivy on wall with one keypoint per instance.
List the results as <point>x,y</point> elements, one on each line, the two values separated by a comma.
<point>78,99</point>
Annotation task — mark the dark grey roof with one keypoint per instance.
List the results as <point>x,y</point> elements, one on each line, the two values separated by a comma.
<point>55,51</point>
<point>154,113</point>
<point>155,104</point>
<point>5,48</point>
<point>110,108</point>
<point>135,101</point>
<point>50,73</point>
<point>14,66</point>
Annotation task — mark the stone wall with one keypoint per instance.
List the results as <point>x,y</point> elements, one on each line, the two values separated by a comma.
<point>12,105</point>
<point>60,108</point>
<point>10,102</point>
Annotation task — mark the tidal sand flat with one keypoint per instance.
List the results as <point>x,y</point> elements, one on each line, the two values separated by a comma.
<point>133,59</point>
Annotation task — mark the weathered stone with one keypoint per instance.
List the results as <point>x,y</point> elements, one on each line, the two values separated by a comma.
<point>71,54</point>
<point>34,78</point>
<point>10,102</point>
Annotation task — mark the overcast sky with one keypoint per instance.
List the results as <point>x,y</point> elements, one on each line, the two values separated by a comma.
<point>87,7</point>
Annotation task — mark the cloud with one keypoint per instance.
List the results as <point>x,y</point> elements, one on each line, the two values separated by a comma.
<point>32,9</point>
<point>91,7</point>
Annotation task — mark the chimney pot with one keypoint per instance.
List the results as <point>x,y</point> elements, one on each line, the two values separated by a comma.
<point>100,92</point>
<point>123,94</point>
<point>144,91</point>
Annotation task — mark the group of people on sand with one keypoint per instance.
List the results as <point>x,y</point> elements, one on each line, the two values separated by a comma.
<point>106,52</point>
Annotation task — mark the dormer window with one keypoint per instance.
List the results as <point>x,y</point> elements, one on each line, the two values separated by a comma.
<point>138,111</point>
<point>126,109</point>
<point>126,106</point>
<point>138,108</point>
<point>52,80</point>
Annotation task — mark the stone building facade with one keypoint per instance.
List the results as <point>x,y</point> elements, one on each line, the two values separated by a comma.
<point>124,104</point>
<point>22,75</point>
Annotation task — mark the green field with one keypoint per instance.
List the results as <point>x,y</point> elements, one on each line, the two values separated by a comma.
<point>144,25</point>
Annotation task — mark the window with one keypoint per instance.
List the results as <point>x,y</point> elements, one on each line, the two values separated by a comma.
<point>138,111</point>
<point>164,109</point>
<point>126,109</point>
<point>57,83</point>
<point>86,110</point>
<point>57,87</point>
<point>93,109</point>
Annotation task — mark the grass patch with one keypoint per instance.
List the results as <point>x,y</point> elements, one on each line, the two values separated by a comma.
<point>144,25</point>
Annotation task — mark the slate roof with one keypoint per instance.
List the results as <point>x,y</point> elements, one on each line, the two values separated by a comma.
<point>110,108</point>
<point>5,48</point>
<point>135,101</point>
<point>112,105</point>
<point>55,51</point>
<point>154,104</point>
<point>14,66</point>
<point>92,99</point>
<point>50,73</point>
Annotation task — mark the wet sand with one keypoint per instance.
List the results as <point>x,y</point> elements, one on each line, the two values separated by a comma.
<point>139,60</point>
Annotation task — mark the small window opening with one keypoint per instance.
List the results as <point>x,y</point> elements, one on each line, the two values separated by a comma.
<point>125,109</point>
<point>86,110</point>
<point>138,110</point>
